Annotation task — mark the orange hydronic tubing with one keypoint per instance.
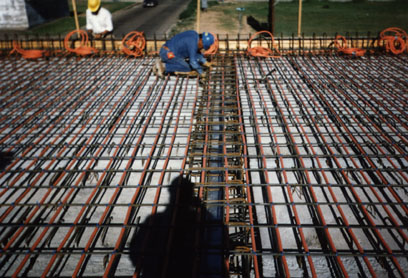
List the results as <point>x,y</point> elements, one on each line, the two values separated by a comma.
<point>260,51</point>
<point>28,54</point>
<point>83,49</point>
<point>214,47</point>
<point>393,38</point>
<point>343,48</point>
<point>133,44</point>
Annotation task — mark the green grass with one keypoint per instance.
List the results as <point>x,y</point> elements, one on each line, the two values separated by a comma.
<point>328,17</point>
<point>321,17</point>
<point>58,26</point>
<point>111,6</point>
<point>187,19</point>
<point>66,24</point>
<point>190,11</point>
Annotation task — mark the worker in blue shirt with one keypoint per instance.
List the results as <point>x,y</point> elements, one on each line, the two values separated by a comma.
<point>181,54</point>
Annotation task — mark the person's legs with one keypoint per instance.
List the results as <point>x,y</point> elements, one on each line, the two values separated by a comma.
<point>174,64</point>
<point>177,65</point>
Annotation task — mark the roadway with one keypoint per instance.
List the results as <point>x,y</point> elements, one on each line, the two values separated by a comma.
<point>155,20</point>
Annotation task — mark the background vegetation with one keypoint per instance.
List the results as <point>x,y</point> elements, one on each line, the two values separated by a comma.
<point>318,16</point>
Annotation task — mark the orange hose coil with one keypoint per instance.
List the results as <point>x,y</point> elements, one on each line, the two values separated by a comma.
<point>343,48</point>
<point>214,47</point>
<point>396,40</point>
<point>83,49</point>
<point>27,54</point>
<point>134,43</point>
<point>260,51</point>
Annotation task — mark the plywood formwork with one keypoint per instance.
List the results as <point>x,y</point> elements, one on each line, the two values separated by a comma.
<point>298,165</point>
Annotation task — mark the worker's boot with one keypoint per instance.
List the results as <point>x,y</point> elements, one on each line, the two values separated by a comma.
<point>158,68</point>
<point>186,73</point>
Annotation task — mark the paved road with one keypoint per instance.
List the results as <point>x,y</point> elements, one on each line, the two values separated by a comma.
<point>157,20</point>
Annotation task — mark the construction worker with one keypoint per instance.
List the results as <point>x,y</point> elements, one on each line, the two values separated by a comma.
<point>98,19</point>
<point>181,54</point>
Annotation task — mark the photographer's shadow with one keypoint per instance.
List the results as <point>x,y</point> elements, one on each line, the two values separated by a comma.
<point>178,241</point>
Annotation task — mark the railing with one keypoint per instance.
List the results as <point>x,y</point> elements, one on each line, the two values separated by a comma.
<point>227,43</point>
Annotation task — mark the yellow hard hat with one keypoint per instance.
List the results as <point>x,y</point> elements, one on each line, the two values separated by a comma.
<point>93,5</point>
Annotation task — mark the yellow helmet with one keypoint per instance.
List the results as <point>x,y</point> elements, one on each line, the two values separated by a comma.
<point>93,5</point>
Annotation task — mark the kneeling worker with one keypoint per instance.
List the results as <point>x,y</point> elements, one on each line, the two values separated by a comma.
<point>98,19</point>
<point>181,55</point>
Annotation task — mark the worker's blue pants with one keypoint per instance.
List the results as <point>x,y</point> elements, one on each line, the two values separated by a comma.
<point>174,64</point>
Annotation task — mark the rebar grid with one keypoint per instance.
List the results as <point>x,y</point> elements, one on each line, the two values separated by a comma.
<point>300,162</point>
<point>329,142</point>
